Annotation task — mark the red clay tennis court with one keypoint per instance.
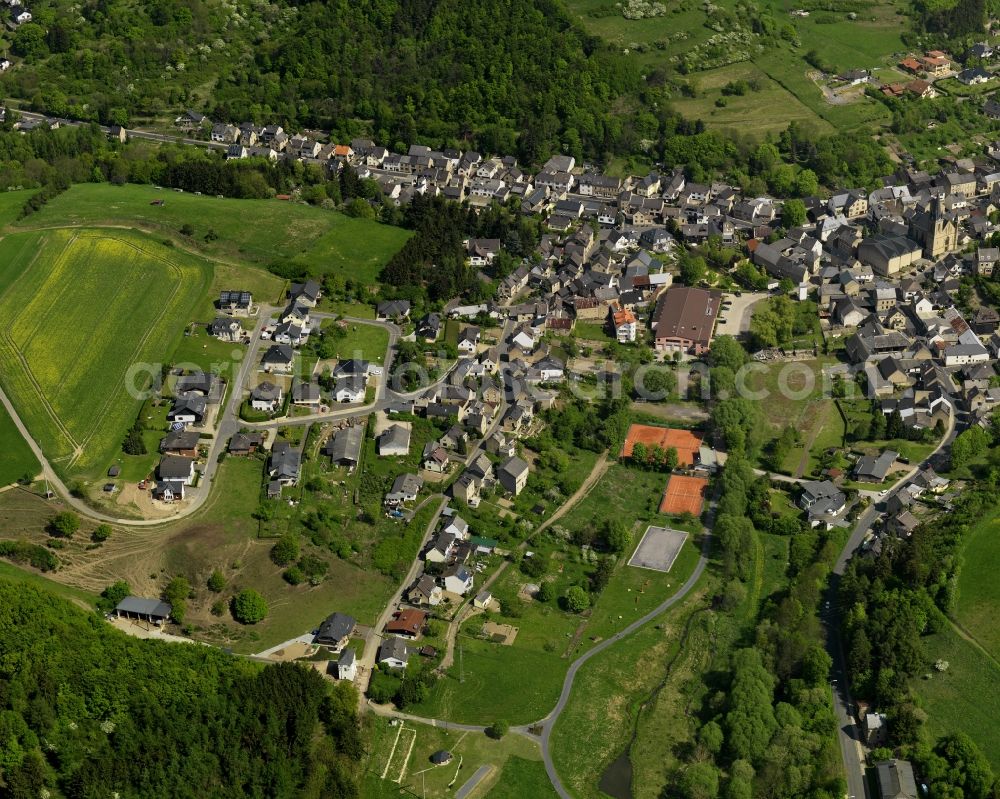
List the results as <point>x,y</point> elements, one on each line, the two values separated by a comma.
<point>684,441</point>
<point>684,495</point>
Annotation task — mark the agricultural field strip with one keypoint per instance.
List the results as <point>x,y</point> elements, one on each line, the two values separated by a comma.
<point>178,272</point>
<point>121,300</point>
<point>7,339</point>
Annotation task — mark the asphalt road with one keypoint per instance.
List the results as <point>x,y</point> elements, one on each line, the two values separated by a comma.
<point>848,732</point>
<point>228,424</point>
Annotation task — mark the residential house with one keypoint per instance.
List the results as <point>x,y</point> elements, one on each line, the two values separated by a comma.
<point>458,527</point>
<point>394,441</point>
<point>875,729</point>
<point>457,580</point>
<point>346,666</point>
<point>225,134</point>
<point>468,340</point>
<point>483,251</point>
<point>285,463</point>
<point>306,394</point>
<point>986,260</point>
<point>236,303</point>
<point>352,366</point>
<point>467,488</point>
<point>307,294</point>
<point>405,488</point>
<point>429,327</point>
<point>406,623</point>
<point>512,474</point>
<point>393,309</point>
<point>873,469</point>
<point>188,408</point>
<point>180,442</point>
<point>344,447</point>
<point>425,591</point>
<point>266,397</point>
<point>441,548</point>
<point>176,470</point>
<point>350,388</point>
<point>190,120</point>
<point>435,458</point>
<point>625,326</point>
<point>896,780</point>
<point>278,358</point>
<point>245,443</point>
<point>394,653</point>
<point>822,501</point>
<point>335,631</point>
<point>226,329</point>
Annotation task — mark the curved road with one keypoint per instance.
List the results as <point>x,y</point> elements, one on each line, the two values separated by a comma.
<point>549,722</point>
<point>229,424</point>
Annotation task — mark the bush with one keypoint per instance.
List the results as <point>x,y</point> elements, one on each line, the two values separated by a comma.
<point>101,533</point>
<point>294,575</point>
<point>218,607</point>
<point>32,554</point>
<point>545,592</point>
<point>498,729</point>
<point>64,524</point>
<point>383,687</point>
<point>286,550</point>
<point>217,581</point>
<point>176,593</point>
<point>249,607</point>
<point>577,600</point>
<point>113,594</point>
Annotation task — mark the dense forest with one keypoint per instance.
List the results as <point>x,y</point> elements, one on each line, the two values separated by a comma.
<point>506,75</point>
<point>87,712</point>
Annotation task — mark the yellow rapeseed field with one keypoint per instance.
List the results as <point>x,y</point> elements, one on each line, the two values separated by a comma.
<point>77,309</point>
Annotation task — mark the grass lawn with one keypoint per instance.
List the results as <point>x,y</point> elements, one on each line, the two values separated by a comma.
<point>520,778</point>
<point>750,112</point>
<point>787,399</point>
<point>606,696</point>
<point>514,761</point>
<point>530,672</point>
<point>16,458</point>
<point>591,331</point>
<point>521,682</point>
<point>11,203</point>
<point>258,231</point>
<point>15,574</point>
<point>964,698</point>
<point>355,249</point>
<point>367,342</point>
<point>265,287</point>
<point>956,87</point>
<point>129,294</point>
<point>978,587</point>
<point>198,350</point>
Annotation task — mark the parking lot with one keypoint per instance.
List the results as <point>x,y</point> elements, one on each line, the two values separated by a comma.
<point>735,319</point>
